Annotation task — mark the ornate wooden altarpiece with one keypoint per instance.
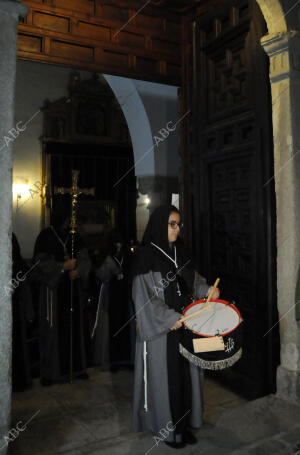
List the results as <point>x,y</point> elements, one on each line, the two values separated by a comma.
<point>87,130</point>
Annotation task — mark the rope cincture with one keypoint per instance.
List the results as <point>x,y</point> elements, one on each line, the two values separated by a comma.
<point>145,377</point>
<point>98,310</point>
<point>49,316</point>
<point>171,259</point>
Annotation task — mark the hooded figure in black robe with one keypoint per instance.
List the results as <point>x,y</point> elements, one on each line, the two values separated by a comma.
<point>168,389</point>
<point>112,330</point>
<point>23,314</point>
<point>54,272</point>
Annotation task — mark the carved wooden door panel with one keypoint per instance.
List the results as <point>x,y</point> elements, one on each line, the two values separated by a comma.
<point>230,162</point>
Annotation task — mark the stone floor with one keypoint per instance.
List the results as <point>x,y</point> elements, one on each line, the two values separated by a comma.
<point>93,417</point>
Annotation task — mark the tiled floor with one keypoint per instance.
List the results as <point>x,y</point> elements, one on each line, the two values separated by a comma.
<point>91,417</point>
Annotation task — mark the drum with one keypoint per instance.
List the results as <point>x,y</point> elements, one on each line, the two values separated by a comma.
<point>221,319</point>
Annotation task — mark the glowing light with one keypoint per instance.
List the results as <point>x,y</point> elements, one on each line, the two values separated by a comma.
<point>147,201</point>
<point>21,191</point>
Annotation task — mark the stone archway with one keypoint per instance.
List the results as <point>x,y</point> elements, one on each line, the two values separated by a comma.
<point>274,15</point>
<point>282,44</point>
<point>137,121</point>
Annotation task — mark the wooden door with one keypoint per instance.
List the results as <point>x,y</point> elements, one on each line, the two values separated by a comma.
<point>230,159</point>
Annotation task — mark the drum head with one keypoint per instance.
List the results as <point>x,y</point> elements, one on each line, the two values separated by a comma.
<point>219,318</point>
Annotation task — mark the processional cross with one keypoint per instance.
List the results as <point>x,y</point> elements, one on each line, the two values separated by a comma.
<point>75,192</point>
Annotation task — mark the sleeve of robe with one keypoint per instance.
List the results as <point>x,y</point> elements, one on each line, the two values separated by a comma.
<point>200,286</point>
<point>154,317</point>
<point>26,301</point>
<point>107,269</point>
<point>48,271</point>
<point>84,265</point>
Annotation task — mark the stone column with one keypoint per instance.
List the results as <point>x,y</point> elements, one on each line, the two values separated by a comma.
<point>284,53</point>
<point>10,11</point>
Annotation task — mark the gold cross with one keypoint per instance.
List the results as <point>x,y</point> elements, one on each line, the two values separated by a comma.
<point>74,191</point>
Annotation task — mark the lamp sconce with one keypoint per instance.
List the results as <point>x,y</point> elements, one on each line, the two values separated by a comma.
<point>147,202</point>
<point>20,190</point>
<point>23,192</point>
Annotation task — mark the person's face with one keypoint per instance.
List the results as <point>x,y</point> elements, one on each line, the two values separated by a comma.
<point>173,229</point>
<point>118,246</point>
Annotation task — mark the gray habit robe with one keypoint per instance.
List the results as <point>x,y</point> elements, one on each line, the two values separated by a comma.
<point>100,333</point>
<point>151,405</point>
<point>48,273</point>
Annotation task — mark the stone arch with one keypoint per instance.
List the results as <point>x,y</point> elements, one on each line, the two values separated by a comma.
<point>137,121</point>
<point>274,15</point>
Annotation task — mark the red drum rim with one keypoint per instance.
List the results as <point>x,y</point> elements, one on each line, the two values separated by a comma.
<point>224,302</point>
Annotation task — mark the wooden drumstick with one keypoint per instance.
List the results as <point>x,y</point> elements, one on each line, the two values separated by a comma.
<point>190,316</point>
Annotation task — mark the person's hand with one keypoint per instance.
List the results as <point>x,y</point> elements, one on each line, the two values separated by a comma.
<point>74,274</point>
<point>216,293</point>
<point>70,264</point>
<point>177,325</point>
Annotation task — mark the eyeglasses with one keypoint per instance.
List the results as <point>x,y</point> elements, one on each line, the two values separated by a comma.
<point>174,224</point>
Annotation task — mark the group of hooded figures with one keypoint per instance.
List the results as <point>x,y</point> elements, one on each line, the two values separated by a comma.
<point>167,388</point>
<point>101,305</point>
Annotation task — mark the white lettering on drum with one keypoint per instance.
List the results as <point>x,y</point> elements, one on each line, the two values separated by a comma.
<point>229,345</point>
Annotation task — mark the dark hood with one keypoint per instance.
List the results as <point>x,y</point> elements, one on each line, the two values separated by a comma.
<point>157,227</point>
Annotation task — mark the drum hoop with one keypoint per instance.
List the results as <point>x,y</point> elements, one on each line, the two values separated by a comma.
<point>224,302</point>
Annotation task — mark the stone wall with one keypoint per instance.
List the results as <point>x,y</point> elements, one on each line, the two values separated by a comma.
<point>9,12</point>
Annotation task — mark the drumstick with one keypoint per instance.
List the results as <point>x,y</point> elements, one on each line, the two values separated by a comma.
<point>189,316</point>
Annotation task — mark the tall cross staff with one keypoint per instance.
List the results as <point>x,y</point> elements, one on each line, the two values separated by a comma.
<point>75,192</point>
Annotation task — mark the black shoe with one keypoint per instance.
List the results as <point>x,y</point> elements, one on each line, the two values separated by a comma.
<point>176,445</point>
<point>83,376</point>
<point>189,438</point>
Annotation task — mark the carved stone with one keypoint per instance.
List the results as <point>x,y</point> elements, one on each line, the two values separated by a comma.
<point>284,53</point>
<point>9,14</point>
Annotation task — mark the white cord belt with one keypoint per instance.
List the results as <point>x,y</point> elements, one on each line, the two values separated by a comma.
<point>145,377</point>
<point>97,314</point>
<point>50,307</point>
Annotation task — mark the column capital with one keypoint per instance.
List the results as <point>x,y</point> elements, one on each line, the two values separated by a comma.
<point>284,52</point>
<point>14,7</point>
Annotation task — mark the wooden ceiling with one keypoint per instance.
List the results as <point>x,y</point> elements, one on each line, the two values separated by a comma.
<point>180,6</point>
<point>132,38</point>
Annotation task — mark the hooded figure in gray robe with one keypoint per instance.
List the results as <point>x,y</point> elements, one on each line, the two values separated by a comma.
<point>167,388</point>
<point>59,359</point>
